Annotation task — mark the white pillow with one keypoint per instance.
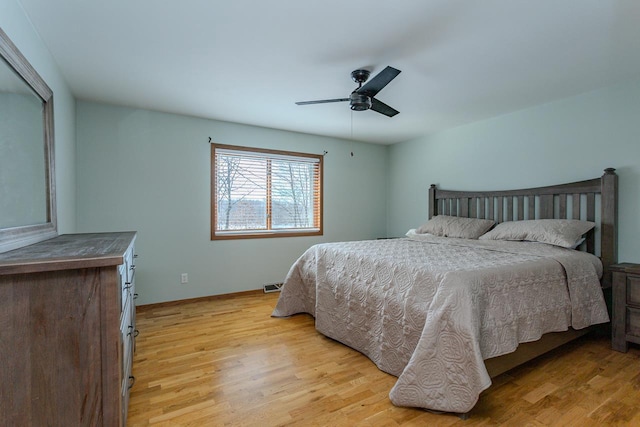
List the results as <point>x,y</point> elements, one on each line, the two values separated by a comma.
<point>455,226</point>
<point>566,233</point>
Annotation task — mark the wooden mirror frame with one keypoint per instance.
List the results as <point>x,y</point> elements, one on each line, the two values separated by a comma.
<point>16,237</point>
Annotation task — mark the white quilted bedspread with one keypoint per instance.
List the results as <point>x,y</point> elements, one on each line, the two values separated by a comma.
<point>429,310</point>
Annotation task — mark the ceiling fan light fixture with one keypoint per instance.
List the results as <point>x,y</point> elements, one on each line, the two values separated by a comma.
<point>359,102</point>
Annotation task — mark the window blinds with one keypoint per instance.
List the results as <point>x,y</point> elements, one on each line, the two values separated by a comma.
<point>263,191</point>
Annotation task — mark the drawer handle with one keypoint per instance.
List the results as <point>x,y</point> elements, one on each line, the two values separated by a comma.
<point>135,296</point>
<point>135,255</point>
<point>130,327</point>
<point>136,333</point>
<point>127,285</point>
<point>133,267</point>
<point>132,381</point>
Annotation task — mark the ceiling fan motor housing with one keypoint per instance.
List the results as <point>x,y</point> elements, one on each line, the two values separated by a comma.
<point>359,102</point>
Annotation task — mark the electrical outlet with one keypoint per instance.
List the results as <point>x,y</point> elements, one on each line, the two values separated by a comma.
<point>184,278</point>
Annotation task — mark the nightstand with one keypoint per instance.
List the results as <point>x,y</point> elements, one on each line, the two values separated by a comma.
<point>625,322</point>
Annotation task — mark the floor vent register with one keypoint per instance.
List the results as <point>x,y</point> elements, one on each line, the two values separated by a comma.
<point>272,287</point>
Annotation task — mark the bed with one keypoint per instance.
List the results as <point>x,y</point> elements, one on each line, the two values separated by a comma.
<point>447,313</point>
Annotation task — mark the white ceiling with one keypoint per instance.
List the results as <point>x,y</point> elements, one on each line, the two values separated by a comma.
<point>248,61</point>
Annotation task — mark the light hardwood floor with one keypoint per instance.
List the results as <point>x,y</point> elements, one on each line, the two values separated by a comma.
<point>226,362</point>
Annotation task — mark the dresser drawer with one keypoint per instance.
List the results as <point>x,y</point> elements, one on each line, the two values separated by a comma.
<point>129,263</point>
<point>127,383</point>
<point>625,305</point>
<point>124,286</point>
<point>127,358</point>
<point>633,322</point>
<point>633,290</point>
<point>126,327</point>
<point>127,276</point>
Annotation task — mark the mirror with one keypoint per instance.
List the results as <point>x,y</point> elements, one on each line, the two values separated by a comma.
<point>27,190</point>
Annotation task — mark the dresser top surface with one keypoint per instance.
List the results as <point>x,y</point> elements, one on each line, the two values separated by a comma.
<point>66,251</point>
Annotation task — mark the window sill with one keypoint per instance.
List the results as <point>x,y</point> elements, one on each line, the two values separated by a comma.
<point>264,234</point>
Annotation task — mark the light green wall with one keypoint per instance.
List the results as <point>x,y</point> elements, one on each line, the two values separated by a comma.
<point>150,172</point>
<point>564,141</point>
<point>15,23</point>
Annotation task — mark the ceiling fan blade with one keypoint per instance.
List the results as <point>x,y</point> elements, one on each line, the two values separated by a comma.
<point>322,101</point>
<point>383,108</point>
<point>376,84</point>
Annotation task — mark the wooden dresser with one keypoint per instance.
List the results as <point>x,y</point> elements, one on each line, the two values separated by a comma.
<point>625,322</point>
<point>67,331</point>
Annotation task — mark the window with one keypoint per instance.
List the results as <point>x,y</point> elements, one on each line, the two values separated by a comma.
<point>264,193</point>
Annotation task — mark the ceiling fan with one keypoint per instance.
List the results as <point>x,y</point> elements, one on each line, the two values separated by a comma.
<point>362,98</point>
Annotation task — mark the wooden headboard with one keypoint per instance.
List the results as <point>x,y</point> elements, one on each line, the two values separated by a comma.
<point>576,200</point>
